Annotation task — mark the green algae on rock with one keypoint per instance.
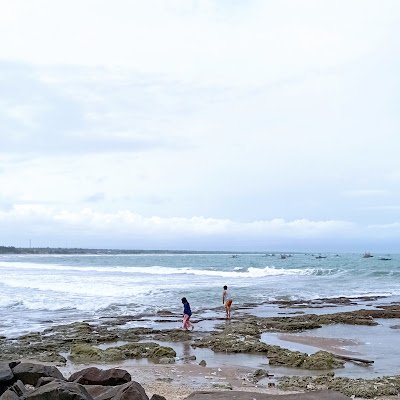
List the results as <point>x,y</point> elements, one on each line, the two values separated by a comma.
<point>366,388</point>
<point>87,353</point>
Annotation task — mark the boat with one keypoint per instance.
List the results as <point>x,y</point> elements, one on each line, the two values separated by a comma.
<point>319,257</point>
<point>384,259</point>
<point>367,255</point>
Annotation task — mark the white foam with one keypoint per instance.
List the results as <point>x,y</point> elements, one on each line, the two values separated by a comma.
<point>159,270</point>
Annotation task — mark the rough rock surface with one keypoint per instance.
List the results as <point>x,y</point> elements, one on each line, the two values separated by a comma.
<point>58,390</point>
<point>86,353</point>
<point>6,373</point>
<point>157,397</point>
<point>30,373</point>
<point>96,376</point>
<point>366,388</point>
<point>19,388</point>
<point>130,390</point>
<point>44,380</point>
<point>9,395</point>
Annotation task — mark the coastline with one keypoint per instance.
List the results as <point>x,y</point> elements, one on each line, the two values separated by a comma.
<point>234,351</point>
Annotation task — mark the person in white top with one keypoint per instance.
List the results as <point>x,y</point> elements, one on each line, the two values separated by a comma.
<point>227,301</point>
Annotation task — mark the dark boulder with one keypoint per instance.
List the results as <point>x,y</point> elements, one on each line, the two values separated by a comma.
<point>30,373</point>
<point>6,374</point>
<point>59,390</point>
<point>131,390</point>
<point>96,376</point>
<point>157,397</point>
<point>6,377</point>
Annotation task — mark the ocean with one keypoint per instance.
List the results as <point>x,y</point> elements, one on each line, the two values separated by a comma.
<point>37,291</point>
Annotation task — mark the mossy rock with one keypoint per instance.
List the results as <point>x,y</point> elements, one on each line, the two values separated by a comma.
<point>322,360</point>
<point>162,352</point>
<point>85,352</point>
<point>287,357</point>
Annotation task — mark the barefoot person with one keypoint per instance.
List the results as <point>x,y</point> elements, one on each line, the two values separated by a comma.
<point>187,312</point>
<point>227,300</point>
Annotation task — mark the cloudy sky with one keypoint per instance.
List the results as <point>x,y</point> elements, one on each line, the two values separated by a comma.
<point>200,124</point>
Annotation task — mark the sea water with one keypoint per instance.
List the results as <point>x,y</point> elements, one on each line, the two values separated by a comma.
<point>37,291</point>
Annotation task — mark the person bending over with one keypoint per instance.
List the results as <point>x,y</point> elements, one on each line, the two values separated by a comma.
<point>227,300</point>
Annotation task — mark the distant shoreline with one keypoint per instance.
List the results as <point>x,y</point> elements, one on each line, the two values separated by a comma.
<point>79,251</point>
<point>61,250</point>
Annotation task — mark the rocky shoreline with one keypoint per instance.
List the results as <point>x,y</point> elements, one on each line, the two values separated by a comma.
<point>30,381</point>
<point>112,340</point>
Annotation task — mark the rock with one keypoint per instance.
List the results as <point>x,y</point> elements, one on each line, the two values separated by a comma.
<point>395,326</point>
<point>162,351</point>
<point>166,379</point>
<point>202,363</point>
<point>87,353</point>
<point>286,357</point>
<point>365,388</point>
<point>222,385</point>
<point>9,395</point>
<point>19,388</point>
<point>44,381</point>
<point>30,373</point>
<point>157,397</point>
<point>96,376</point>
<point>166,360</point>
<point>60,390</point>
<point>322,360</point>
<point>31,388</point>
<point>259,374</point>
<point>6,374</point>
<point>131,390</point>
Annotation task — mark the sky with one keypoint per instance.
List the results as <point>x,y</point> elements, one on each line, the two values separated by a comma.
<point>208,125</point>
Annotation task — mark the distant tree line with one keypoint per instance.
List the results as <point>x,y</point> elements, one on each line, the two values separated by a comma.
<point>8,250</point>
<point>60,250</point>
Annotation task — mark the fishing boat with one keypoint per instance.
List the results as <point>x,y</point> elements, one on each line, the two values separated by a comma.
<point>367,255</point>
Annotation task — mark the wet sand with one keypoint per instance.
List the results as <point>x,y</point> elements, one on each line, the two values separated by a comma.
<point>333,345</point>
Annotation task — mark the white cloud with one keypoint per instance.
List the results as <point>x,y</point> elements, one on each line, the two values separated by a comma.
<point>121,223</point>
